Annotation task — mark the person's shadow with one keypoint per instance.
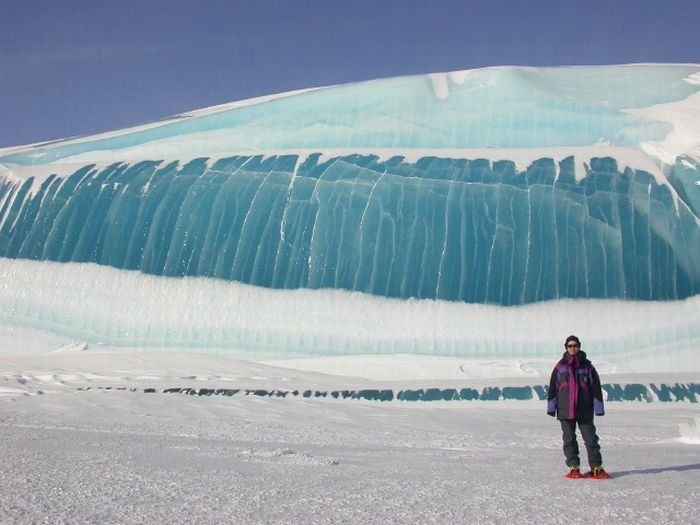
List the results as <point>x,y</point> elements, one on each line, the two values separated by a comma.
<point>659,470</point>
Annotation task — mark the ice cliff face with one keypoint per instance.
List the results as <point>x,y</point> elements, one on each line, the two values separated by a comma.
<point>504,185</point>
<point>440,228</point>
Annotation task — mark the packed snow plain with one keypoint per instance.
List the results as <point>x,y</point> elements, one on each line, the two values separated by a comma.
<point>84,443</point>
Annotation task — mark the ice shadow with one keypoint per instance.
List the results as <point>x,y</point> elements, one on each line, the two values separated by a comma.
<point>659,470</point>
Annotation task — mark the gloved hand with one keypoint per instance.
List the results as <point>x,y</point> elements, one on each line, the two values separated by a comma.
<point>598,407</point>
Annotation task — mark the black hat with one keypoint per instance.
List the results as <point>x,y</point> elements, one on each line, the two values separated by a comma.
<point>572,338</point>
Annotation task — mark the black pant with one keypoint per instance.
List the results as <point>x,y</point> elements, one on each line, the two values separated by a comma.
<point>590,438</point>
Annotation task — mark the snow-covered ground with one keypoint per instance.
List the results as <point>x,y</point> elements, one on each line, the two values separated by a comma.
<point>75,455</point>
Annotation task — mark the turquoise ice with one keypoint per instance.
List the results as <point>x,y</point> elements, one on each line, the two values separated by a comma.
<point>438,228</point>
<point>411,187</point>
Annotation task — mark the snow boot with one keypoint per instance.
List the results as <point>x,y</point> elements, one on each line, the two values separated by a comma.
<point>574,473</point>
<point>597,473</point>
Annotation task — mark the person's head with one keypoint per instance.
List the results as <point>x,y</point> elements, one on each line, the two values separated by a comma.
<point>572,345</point>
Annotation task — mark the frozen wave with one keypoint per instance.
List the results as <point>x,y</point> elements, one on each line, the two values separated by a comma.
<point>482,192</point>
<point>474,230</point>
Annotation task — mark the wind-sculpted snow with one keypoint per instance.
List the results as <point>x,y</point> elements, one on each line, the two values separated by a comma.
<point>502,107</point>
<point>93,306</point>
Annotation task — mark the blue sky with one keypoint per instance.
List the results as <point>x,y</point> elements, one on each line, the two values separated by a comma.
<point>79,67</point>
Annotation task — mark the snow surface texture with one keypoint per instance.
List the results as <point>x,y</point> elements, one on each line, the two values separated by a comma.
<point>492,188</point>
<point>228,318</point>
<point>118,456</point>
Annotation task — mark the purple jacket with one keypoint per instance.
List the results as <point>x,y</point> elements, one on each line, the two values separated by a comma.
<point>574,389</point>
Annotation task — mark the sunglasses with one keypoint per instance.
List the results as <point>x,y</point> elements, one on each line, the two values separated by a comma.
<point>572,346</point>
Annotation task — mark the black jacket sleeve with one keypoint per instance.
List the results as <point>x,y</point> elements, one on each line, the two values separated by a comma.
<point>552,394</point>
<point>597,391</point>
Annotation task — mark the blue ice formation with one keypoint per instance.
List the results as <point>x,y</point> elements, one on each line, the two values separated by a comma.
<point>398,188</point>
<point>663,393</point>
<point>439,228</point>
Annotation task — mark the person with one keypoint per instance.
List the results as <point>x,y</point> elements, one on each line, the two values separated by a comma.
<point>574,397</point>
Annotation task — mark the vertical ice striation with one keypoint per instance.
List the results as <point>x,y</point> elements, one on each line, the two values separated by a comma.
<point>438,228</point>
